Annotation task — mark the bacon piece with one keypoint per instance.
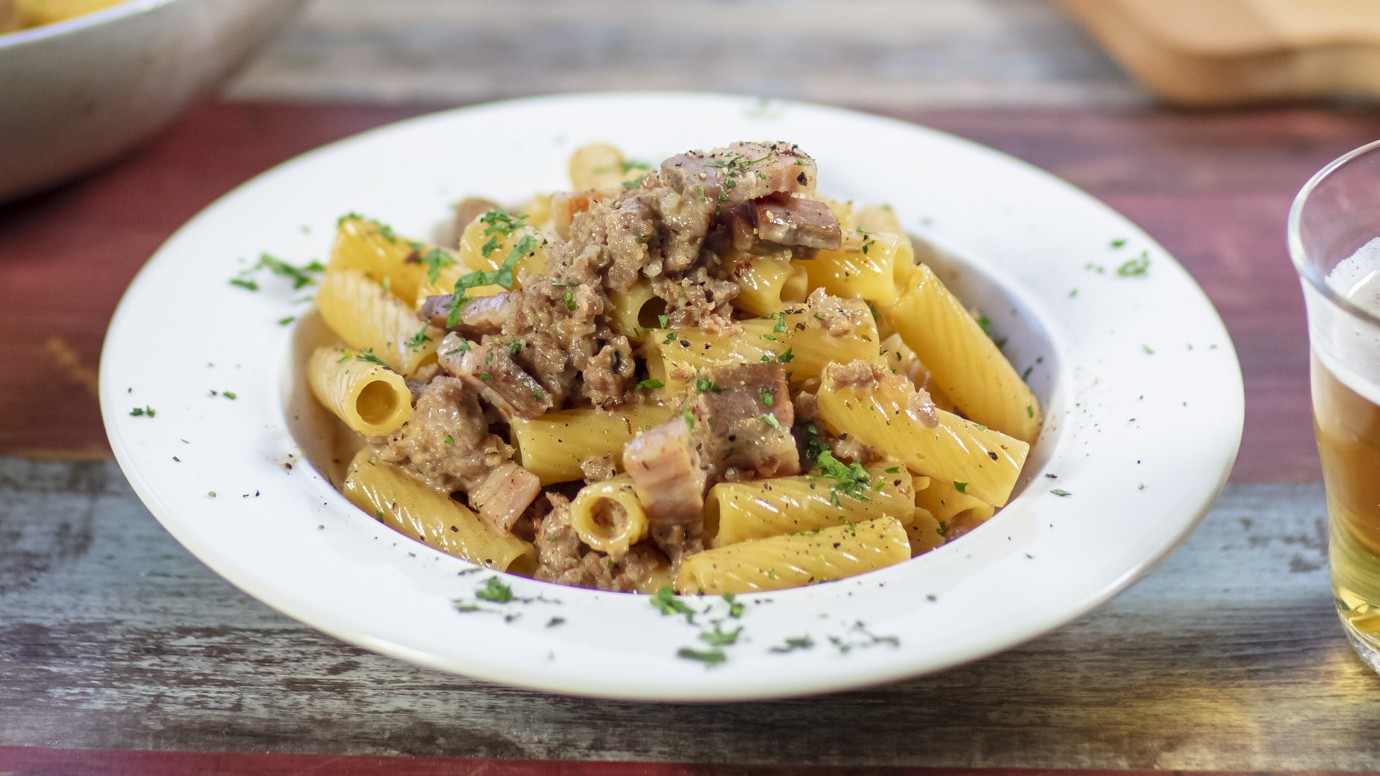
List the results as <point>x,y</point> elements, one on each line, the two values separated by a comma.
<point>505,494</point>
<point>666,474</point>
<point>490,369</point>
<point>478,316</point>
<point>743,416</point>
<point>741,172</point>
<point>786,220</point>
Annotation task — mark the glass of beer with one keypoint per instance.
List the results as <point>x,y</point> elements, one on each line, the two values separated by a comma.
<point>1334,239</point>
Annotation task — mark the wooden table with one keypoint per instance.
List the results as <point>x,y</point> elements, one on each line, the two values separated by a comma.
<point>120,653</point>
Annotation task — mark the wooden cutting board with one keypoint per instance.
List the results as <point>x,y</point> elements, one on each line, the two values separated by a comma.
<point>1231,52</point>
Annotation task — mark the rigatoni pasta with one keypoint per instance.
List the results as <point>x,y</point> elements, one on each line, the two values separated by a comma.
<point>422,513</point>
<point>370,398</point>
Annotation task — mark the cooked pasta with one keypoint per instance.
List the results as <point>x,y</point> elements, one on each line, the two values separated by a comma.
<point>700,374</point>
<point>792,560</point>
<point>966,365</point>
<point>374,322</point>
<point>738,511</point>
<point>432,517</point>
<point>370,398</point>
<point>608,516</point>
<point>554,445</point>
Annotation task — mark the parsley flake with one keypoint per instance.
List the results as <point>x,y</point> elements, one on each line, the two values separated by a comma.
<point>435,260</point>
<point>666,602</point>
<point>494,590</point>
<point>1136,266</point>
<point>793,643</point>
<point>367,355</point>
<point>704,385</point>
<point>714,656</point>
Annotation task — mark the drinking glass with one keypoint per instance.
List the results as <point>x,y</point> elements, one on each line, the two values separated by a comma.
<point>1334,239</point>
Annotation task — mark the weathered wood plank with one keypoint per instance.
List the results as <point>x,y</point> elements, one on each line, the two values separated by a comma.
<point>897,55</point>
<point>1228,657</point>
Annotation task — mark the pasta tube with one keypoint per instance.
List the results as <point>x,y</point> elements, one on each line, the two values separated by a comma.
<point>769,285</point>
<point>965,364</point>
<point>603,166</point>
<point>372,400</point>
<point>956,512</point>
<point>631,312</point>
<point>553,445</point>
<point>373,320</point>
<point>608,516</point>
<point>867,266</point>
<point>924,532</point>
<point>792,560</point>
<point>739,511</point>
<point>372,248</point>
<point>432,517</point>
<point>884,412</point>
<point>800,338</point>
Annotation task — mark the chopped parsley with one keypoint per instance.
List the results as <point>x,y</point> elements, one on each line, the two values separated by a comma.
<point>718,637</point>
<point>367,355</point>
<point>494,590</point>
<point>651,384</point>
<point>780,318</point>
<point>793,643</point>
<point>569,300</point>
<point>244,283</point>
<point>435,260</point>
<point>300,276</point>
<point>1060,492</point>
<point>704,385</point>
<point>666,602</point>
<point>768,396</point>
<point>961,487</point>
<point>500,222</point>
<point>416,341</point>
<point>663,320</point>
<point>772,422</point>
<point>735,607</point>
<point>849,479</point>
<point>503,276</point>
<point>1136,266</point>
<point>713,656</point>
<point>143,412</point>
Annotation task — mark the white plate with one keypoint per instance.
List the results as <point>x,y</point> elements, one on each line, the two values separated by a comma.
<point>1140,379</point>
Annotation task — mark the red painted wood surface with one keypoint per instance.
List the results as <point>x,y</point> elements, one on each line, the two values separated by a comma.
<point>1214,188</point>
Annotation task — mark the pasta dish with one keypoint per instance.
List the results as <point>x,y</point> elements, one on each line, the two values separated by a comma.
<point>700,375</point>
